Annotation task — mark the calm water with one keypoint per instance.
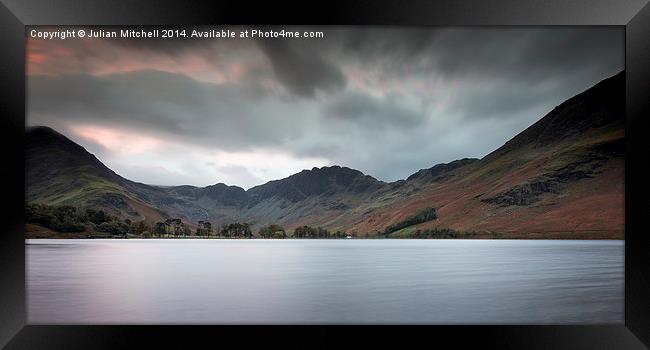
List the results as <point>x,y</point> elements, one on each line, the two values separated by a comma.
<point>325,281</point>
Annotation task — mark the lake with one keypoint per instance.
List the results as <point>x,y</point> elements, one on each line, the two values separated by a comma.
<point>349,281</point>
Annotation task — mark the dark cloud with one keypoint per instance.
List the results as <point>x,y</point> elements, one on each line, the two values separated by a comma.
<point>302,70</point>
<point>356,107</point>
<point>498,99</point>
<point>528,54</point>
<point>162,103</point>
<point>387,101</point>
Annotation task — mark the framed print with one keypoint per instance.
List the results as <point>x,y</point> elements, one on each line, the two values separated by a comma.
<point>466,172</point>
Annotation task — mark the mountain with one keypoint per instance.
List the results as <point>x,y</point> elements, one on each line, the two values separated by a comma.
<point>562,177</point>
<point>326,181</point>
<point>61,172</point>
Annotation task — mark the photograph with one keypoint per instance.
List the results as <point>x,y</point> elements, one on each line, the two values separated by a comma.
<point>325,175</point>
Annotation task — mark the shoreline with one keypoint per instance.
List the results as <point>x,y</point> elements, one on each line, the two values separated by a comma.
<point>37,232</point>
<point>536,238</point>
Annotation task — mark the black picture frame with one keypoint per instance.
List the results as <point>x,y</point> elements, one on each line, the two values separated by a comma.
<point>634,15</point>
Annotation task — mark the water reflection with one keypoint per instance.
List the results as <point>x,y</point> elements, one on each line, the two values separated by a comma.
<point>325,281</point>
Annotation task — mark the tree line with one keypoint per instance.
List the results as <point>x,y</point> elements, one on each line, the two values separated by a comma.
<point>436,233</point>
<point>72,219</point>
<point>425,215</point>
<point>67,218</point>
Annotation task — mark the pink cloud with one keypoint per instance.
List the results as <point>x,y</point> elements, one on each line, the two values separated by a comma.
<point>117,140</point>
<point>100,57</point>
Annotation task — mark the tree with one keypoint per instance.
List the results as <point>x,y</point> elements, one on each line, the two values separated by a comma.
<point>97,217</point>
<point>248,233</point>
<point>322,233</point>
<point>310,232</point>
<point>67,224</point>
<point>62,218</point>
<point>114,228</point>
<point>160,229</point>
<point>272,231</point>
<point>138,227</point>
<point>237,230</point>
<point>38,214</point>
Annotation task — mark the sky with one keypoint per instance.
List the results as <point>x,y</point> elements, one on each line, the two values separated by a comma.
<point>386,101</point>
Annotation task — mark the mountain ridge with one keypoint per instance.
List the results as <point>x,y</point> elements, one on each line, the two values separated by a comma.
<point>540,171</point>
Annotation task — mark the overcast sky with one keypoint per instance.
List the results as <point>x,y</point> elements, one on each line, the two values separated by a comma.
<point>387,101</point>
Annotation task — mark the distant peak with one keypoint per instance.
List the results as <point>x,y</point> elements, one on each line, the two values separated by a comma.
<point>221,185</point>
<point>327,180</point>
<point>331,170</point>
<point>218,184</point>
<point>326,167</point>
